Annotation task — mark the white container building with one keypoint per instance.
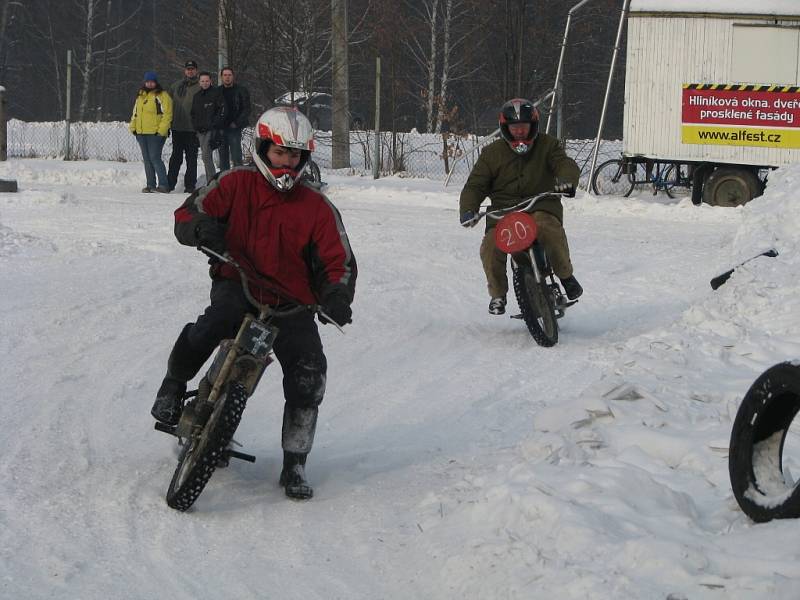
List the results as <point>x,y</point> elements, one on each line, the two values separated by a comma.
<point>714,85</point>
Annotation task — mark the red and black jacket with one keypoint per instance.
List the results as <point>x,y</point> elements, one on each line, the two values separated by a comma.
<point>294,238</point>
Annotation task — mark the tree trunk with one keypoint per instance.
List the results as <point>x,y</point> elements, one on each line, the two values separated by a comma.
<point>340,157</point>
<point>88,58</point>
<point>448,16</point>
<point>432,60</point>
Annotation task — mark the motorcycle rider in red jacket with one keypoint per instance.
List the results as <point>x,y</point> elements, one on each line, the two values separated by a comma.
<point>267,219</point>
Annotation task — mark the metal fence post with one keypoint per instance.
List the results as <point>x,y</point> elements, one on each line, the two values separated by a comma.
<point>67,149</point>
<point>376,164</point>
<point>3,126</point>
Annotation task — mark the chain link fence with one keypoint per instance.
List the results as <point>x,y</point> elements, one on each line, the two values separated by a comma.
<point>431,156</point>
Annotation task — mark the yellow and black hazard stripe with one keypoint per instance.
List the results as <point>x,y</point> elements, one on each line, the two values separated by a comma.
<point>742,88</point>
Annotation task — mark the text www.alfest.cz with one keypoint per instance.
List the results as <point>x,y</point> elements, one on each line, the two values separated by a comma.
<point>767,116</point>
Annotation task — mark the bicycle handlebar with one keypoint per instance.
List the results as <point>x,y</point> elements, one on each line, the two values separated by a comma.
<point>524,206</point>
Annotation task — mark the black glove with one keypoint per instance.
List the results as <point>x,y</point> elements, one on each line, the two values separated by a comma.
<point>466,219</point>
<point>337,307</point>
<point>564,187</point>
<point>211,235</point>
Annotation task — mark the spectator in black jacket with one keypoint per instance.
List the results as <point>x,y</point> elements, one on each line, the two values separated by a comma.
<point>208,114</point>
<point>237,114</point>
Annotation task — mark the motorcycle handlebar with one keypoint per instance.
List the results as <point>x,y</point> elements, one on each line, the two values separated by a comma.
<point>523,206</point>
<point>269,310</point>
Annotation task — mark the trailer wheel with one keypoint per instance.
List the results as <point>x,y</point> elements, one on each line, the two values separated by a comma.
<point>729,186</point>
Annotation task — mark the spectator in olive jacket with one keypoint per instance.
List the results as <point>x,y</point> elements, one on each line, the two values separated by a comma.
<point>184,140</point>
<point>523,163</point>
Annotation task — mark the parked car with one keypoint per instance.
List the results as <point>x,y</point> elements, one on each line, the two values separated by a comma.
<point>319,109</point>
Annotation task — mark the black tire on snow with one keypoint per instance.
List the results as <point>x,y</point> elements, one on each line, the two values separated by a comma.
<point>755,460</point>
<point>200,457</point>
<point>536,303</point>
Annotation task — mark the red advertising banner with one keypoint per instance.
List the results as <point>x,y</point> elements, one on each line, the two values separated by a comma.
<point>767,116</point>
<point>752,106</point>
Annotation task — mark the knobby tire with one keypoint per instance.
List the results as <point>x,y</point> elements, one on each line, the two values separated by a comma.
<point>536,303</point>
<point>199,458</point>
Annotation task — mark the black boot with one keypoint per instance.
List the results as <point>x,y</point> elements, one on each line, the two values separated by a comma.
<point>293,476</point>
<point>572,287</point>
<point>169,401</point>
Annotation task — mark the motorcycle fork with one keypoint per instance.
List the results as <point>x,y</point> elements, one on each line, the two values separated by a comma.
<point>233,353</point>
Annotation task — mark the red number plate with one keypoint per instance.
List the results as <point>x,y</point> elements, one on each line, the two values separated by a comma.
<point>515,232</point>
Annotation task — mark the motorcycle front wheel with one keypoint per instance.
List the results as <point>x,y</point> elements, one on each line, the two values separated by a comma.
<point>536,303</point>
<point>202,452</point>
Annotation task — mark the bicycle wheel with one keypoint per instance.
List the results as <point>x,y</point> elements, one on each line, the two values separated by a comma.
<point>609,180</point>
<point>200,455</point>
<point>536,303</point>
<point>676,181</point>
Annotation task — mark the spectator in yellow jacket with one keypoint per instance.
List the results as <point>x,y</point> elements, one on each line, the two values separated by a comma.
<point>150,122</point>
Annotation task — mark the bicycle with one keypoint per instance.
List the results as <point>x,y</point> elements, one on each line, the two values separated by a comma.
<point>539,296</point>
<point>213,411</point>
<point>615,177</point>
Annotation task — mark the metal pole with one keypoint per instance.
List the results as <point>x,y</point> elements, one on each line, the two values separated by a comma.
<point>625,4</point>
<point>3,125</point>
<point>376,163</point>
<point>557,82</point>
<point>67,149</point>
<point>560,108</point>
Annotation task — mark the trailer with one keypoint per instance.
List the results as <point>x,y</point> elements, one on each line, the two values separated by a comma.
<point>712,88</point>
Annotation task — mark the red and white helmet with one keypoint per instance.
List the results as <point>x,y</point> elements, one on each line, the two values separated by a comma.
<point>285,126</point>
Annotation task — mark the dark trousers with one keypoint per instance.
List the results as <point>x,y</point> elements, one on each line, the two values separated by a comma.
<point>298,349</point>
<point>183,143</point>
<point>231,148</point>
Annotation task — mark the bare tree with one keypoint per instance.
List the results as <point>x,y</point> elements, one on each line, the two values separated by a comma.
<point>88,63</point>
<point>7,40</point>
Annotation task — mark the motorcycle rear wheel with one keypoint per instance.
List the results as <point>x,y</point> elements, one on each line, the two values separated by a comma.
<point>201,454</point>
<point>536,303</point>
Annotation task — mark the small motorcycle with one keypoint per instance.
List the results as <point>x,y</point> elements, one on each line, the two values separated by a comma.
<point>213,411</point>
<point>540,297</point>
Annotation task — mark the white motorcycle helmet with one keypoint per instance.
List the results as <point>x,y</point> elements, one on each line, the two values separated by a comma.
<point>285,126</point>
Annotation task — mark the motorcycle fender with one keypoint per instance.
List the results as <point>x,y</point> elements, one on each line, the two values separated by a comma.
<point>248,370</point>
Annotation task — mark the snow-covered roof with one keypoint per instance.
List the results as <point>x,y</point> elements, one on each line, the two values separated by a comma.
<point>744,7</point>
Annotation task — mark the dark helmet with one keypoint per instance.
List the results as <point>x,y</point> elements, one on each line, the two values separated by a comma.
<point>519,110</point>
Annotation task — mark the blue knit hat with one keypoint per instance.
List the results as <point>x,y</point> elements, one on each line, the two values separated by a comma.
<point>151,76</point>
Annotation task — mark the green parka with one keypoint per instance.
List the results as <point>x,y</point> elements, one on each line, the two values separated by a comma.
<point>507,177</point>
<point>183,92</point>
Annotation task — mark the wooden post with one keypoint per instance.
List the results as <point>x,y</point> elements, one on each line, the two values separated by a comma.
<point>3,125</point>
<point>69,105</point>
<point>376,163</point>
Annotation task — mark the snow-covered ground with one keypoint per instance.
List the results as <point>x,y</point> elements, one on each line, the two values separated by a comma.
<point>454,458</point>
